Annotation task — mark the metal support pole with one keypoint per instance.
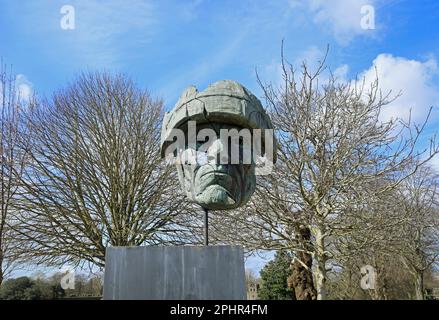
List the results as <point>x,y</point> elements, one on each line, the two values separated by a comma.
<point>206,227</point>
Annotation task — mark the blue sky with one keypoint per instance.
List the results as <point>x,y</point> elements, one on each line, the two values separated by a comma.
<point>167,45</point>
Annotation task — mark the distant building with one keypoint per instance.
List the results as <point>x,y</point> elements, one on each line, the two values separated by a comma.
<point>432,287</point>
<point>432,294</point>
<point>252,290</point>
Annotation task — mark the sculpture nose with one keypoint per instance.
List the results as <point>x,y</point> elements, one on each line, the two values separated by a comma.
<point>224,168</point>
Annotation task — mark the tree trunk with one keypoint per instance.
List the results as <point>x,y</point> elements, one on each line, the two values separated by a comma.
<point>419,285</point>
<point>321,280</point>
<point>320,272</point>
<point>301,280</point>
<point>1,267</point>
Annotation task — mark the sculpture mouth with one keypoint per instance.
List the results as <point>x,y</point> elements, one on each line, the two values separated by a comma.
<point>216,197</point>
<point>217,188</point>
<point>219,174</point>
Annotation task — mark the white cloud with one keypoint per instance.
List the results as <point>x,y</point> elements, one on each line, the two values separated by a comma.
<point>202,70</point>
<point>341,73</point>
<point>100,28</point>
<point>256,262</point>
<point>434,163</point>
<point>413,78</point>
<point>106,33</point>
<point>311,56</point>
<point>189,9</point>
<point>271,72</point>
<point>341,17</point>
<point>24,87</point>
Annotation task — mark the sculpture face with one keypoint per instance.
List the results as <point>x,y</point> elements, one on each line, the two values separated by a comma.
<point>212,182</point>
<point>206,178</point>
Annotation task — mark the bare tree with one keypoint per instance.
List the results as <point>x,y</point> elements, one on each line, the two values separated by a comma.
<point>336,156</point>
<point>419,235</point>
<point>13,160</point>
<point>391,280</point>
<point>399,227</point>
<point>96,178</point>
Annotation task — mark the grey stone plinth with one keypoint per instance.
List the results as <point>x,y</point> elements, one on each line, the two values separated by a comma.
<point>180,273</point>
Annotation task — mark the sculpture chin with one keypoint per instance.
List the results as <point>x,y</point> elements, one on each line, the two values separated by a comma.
<point>216,197</point>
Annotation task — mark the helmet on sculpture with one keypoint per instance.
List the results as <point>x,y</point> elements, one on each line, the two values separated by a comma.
<point>224,101</point>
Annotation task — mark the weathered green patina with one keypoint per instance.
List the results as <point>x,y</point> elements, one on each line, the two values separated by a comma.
<point>223,105</point>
